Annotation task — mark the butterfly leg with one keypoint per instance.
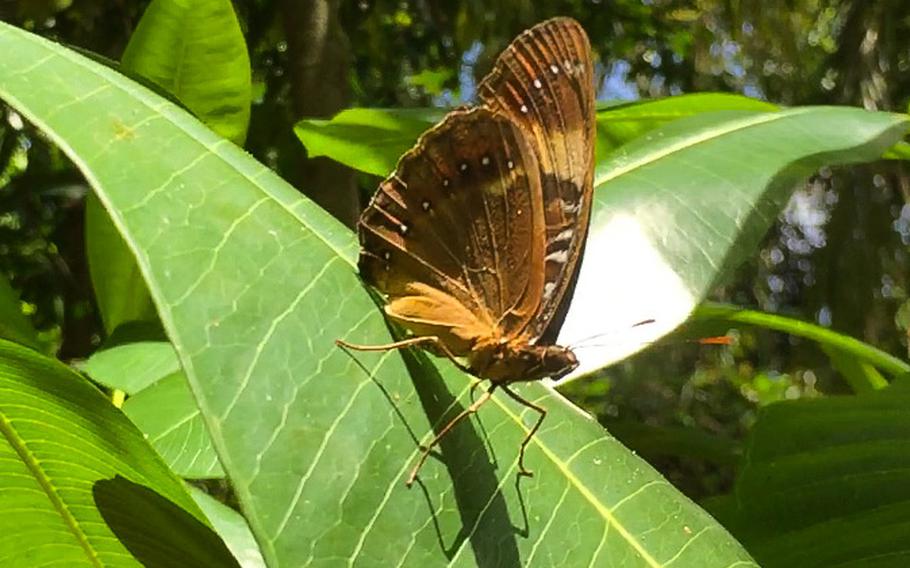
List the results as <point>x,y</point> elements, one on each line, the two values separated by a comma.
<point>425,451</point>
<point>411,341</point>
<point>522,470</point>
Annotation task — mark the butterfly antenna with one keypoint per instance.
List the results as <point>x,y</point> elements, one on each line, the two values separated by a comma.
<point>716,340</point>
<point>581,343</point>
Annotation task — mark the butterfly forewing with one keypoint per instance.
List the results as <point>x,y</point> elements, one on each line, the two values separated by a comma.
<point>544,82</point>
<point>454,234</point>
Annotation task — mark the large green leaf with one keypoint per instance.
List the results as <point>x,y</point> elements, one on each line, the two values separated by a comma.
<point>677,209</point>
<point>620,124</point>
<point>371,140</point>
<point>253,284</point>
<point>196,52</point>
<point>79,486</point>
<point>827,482</point>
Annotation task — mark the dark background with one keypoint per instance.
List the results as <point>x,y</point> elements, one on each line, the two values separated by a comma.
<point>837,256</point>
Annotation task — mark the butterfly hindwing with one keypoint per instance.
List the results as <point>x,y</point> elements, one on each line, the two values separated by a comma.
<point>461,216</point>
<point>544,82</point>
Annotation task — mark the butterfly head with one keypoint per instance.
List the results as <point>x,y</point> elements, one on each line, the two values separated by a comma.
<point>504,362</point>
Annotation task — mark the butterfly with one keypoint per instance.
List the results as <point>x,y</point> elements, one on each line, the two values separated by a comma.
<point>476,238</point>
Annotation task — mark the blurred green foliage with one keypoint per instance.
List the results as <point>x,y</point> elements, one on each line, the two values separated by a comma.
<point>838,255</point>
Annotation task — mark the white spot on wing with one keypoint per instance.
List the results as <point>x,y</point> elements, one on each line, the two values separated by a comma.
<point>564,236</point>
<point>570,209</point>
<point>560,256</point>
<point>548,289</point>
<point>537,84</point>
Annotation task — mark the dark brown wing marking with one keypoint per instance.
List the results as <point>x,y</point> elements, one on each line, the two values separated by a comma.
<point>462,214</point>
<point>544,81</point>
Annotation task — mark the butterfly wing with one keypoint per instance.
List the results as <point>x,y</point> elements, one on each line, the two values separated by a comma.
<point>452,235</point>
<point>544,81</point>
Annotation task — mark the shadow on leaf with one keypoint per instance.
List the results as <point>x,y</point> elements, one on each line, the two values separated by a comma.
<point>156,531</point>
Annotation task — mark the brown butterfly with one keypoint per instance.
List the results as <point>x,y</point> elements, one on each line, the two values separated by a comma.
<point>476,237</point>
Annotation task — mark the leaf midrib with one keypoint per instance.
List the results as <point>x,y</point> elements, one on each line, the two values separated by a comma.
<point>708,135</point>
<point>31,462</point>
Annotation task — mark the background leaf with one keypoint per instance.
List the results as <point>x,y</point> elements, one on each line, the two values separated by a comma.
<point>826,482</point>
<point>132,367</point>
<point>161,405</point>
<point>167,414</point>
<point>80,485</point>
<point>246,275</point>
<point>830,340</point>
<point>231,527</point>
<point>676,210</point>
<point>197,52</point>
<point>372,140</point>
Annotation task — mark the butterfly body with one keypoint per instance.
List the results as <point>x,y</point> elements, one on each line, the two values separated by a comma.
<point>475,239</point>
<point>503,362</point>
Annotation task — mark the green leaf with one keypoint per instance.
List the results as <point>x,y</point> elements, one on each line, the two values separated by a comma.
<point>371,140</point>
<point>79,484</point>
<point>860,375</point>
<point>900,151</point>
<point>657,441</point>
<point>367,139</point>
<point>620,124</point>
<point>161,405</point>
<point>13,323</point>
<point>827,482</point>
<point>254,283</point>
<point>231,527</point>
<point>676,210</point>
<point>119,288</point>
<point>848,351</point>
<point>167,414</point>
<point>133,366</point>
<point>197,52</point>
